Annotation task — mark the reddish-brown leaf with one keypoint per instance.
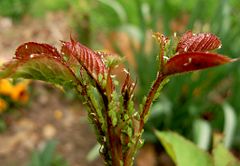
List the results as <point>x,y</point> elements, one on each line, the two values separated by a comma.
<point>86,57</point>
<point>185,37</point>
<point>91,61</point>
<point>201,42</point>
<point>31,49</point>
<point>191,61</point>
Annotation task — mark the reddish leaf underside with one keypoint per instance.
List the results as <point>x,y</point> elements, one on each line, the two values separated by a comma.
<point>31,49</point>
<point>191,61</point>
<point>201,42</point>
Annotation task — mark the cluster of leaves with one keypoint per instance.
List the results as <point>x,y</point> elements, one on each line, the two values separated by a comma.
<point>111,108</point>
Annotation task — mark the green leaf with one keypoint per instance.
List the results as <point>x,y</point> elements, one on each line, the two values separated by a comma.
<point>182,151</point>
<point>35,160</point>
<point>222,157</point>
<point>48,153</point>
<point>42,67</point>
<point>47,156</point>
<point>117,7</point>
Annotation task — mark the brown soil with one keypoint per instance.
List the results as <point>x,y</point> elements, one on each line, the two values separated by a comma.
<point>49,116</point>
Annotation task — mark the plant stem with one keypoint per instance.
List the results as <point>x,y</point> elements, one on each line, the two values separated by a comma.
<point>112,139</point>
<point>150,98</point>
<point>160,77</point>
<point>161,54</point>
<point>110,130</point>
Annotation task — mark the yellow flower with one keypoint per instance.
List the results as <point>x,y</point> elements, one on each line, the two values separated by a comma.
<point>19,92</point>
<point>3,105</point>
<point>6,87</point>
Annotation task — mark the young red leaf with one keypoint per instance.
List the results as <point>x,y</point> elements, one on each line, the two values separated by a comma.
<point>201,42</point>
<point>185,37</point>
<point>31,49</point>
<point>91,61</point>
<point>128,87</point>
<point>86,57</point>
<point>191,61</point>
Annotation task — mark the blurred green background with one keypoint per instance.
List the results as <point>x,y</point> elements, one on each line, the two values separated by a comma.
<point>196,105</point>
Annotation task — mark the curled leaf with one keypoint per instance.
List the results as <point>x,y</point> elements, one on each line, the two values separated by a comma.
<point>191,61</point>
<point>201,42</point>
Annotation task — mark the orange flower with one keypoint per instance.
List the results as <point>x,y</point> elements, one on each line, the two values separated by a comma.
<point>3,105</point>
<point>19,92</point>
<point>6,87</point>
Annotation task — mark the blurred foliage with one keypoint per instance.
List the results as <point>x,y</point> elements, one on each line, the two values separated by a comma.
<point>13,95</point>
<point>14,8</point>
<point>206,92</point>
<point>39,8</point>
<point>47,156</point>
<point>80,19</point>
